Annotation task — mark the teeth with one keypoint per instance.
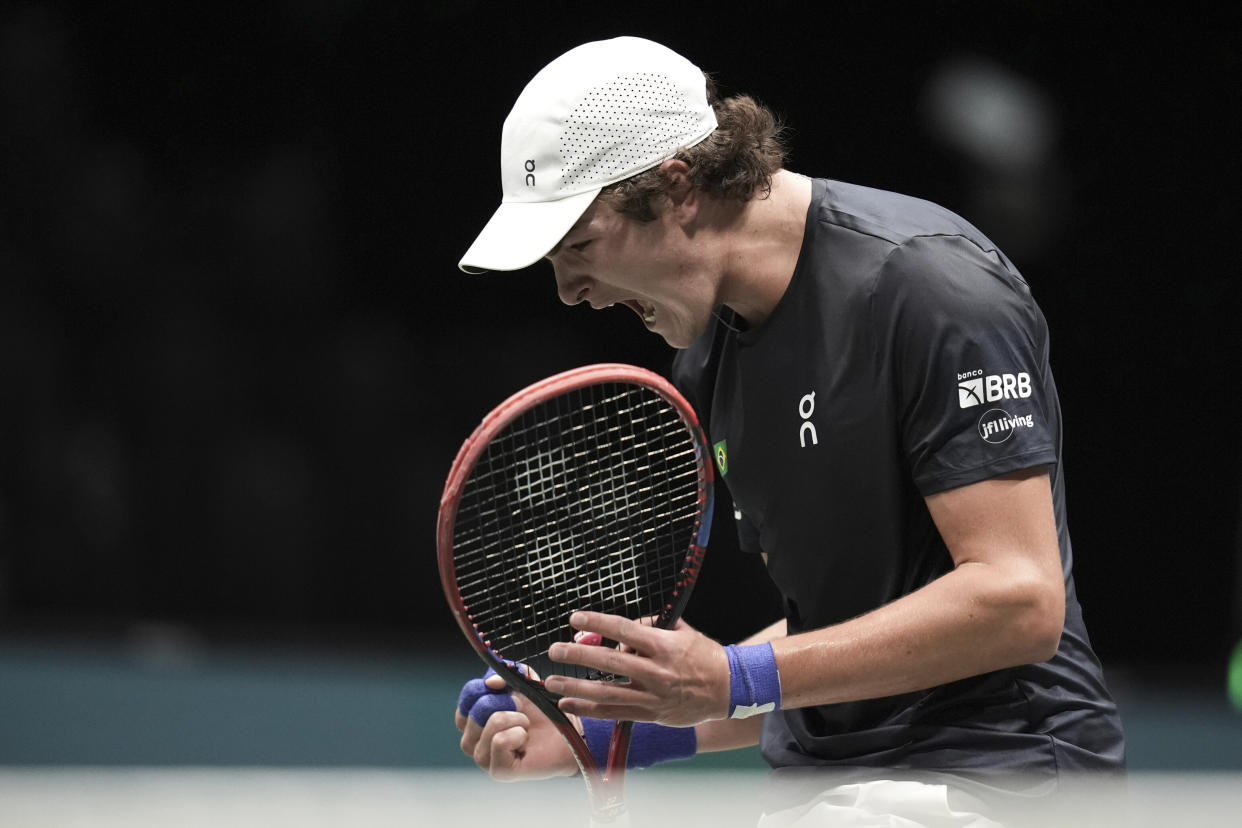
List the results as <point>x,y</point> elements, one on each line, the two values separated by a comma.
<point>649,318</point>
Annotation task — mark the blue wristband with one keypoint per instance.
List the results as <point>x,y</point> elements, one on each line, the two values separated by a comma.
<point>650,744</point>
<point>754,683</point>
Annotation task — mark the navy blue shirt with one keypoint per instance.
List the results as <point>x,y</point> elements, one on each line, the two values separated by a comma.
<point>906,357</point>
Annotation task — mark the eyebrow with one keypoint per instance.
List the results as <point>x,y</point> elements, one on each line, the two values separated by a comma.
<point>578,225</point>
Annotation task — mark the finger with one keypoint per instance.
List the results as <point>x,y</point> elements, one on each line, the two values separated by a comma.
<point>646,621</point>
<point>499,723</point>
<point>484,708</point>
<point>632,665</point>
<point>476,743</point>
<point>495,681</point>
<point>614,712</point>
<point>471,692</point>
<point>508,751</point>
<point>471,734</point>
<point>490,704</point>
<point>603,692</point>
<point>635,634</point>
<point>474,690</point>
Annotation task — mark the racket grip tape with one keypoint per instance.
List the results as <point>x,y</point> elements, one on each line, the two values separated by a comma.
<point>754,683</point>
<point>650,744</point>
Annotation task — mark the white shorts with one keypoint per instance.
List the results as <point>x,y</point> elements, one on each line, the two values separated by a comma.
<point>879,804</point>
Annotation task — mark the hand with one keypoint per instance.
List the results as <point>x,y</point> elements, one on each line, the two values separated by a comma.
<point>677,677</point>
<point>514,743</point>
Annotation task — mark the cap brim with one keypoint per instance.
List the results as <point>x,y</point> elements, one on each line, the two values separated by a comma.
<point>521,233</point>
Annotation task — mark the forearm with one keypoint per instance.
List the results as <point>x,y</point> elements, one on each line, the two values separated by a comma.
<point>769,633</point>
<point>977,618</point>
<point>1003,604</point>
<point>972,620</point>
<point>730,734</point>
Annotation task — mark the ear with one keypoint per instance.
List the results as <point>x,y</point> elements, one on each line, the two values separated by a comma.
<point>682,195</point>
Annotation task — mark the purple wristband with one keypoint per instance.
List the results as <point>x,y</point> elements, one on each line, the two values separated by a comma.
<point>754,683</point>
<point>649,745</point>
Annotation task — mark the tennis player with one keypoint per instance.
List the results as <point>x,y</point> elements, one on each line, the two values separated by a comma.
<point>874,376</point>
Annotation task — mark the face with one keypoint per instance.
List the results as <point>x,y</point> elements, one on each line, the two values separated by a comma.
<point>653,268</point>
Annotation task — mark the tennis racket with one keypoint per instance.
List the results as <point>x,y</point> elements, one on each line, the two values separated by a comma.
<point>589,490</point>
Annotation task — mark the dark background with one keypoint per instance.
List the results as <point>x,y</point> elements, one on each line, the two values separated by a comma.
<point>237,358</point>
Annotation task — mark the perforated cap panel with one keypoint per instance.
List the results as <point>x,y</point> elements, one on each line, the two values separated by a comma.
<point>599,113</point>
<point>624,124</point>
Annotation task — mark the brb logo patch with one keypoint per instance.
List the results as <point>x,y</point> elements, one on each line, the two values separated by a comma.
<point>996,426</point>
<point>973,388</point>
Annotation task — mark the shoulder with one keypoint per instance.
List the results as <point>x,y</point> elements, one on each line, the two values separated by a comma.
<point>949,277</point>
<point>889,216</point>
<point>893,245</point>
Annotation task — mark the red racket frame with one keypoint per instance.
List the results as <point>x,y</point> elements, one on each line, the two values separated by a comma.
<point>603,784</point>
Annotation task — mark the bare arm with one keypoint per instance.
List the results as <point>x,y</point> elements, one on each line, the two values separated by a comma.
<point>523,744</point>
<point>1003,604</point>
<point>728,734</point>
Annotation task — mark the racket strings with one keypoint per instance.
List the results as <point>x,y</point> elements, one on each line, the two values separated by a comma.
<point>588,501</point>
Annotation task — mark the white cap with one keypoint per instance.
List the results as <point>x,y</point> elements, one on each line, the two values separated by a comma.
<point>596,115</point>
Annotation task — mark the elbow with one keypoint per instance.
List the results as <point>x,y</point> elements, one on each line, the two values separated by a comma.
<point>1025,613</point>
<point>1042,619</point>
<point>1045,641</point>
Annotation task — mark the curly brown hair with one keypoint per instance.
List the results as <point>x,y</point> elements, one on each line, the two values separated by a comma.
<point>737,161</point>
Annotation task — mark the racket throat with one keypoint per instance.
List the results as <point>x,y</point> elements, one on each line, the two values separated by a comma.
<point>618,752</point>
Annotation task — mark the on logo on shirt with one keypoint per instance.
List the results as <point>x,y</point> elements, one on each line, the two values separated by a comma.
<point>806,407</point>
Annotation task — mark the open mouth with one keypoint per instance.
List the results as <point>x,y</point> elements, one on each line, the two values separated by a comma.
<point>645,311</point>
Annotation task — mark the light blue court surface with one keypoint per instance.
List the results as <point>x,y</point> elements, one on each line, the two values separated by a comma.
<point>161,732</point>
<point>158,732</point>
<point>159,702</point>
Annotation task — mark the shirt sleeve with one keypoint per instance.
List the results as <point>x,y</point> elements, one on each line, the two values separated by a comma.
<point>966,347</point>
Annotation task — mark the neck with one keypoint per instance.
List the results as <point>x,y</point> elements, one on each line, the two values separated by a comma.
<point>762,248</point>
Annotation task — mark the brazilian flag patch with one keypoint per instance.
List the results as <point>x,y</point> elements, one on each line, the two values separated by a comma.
<point>722,457</point>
